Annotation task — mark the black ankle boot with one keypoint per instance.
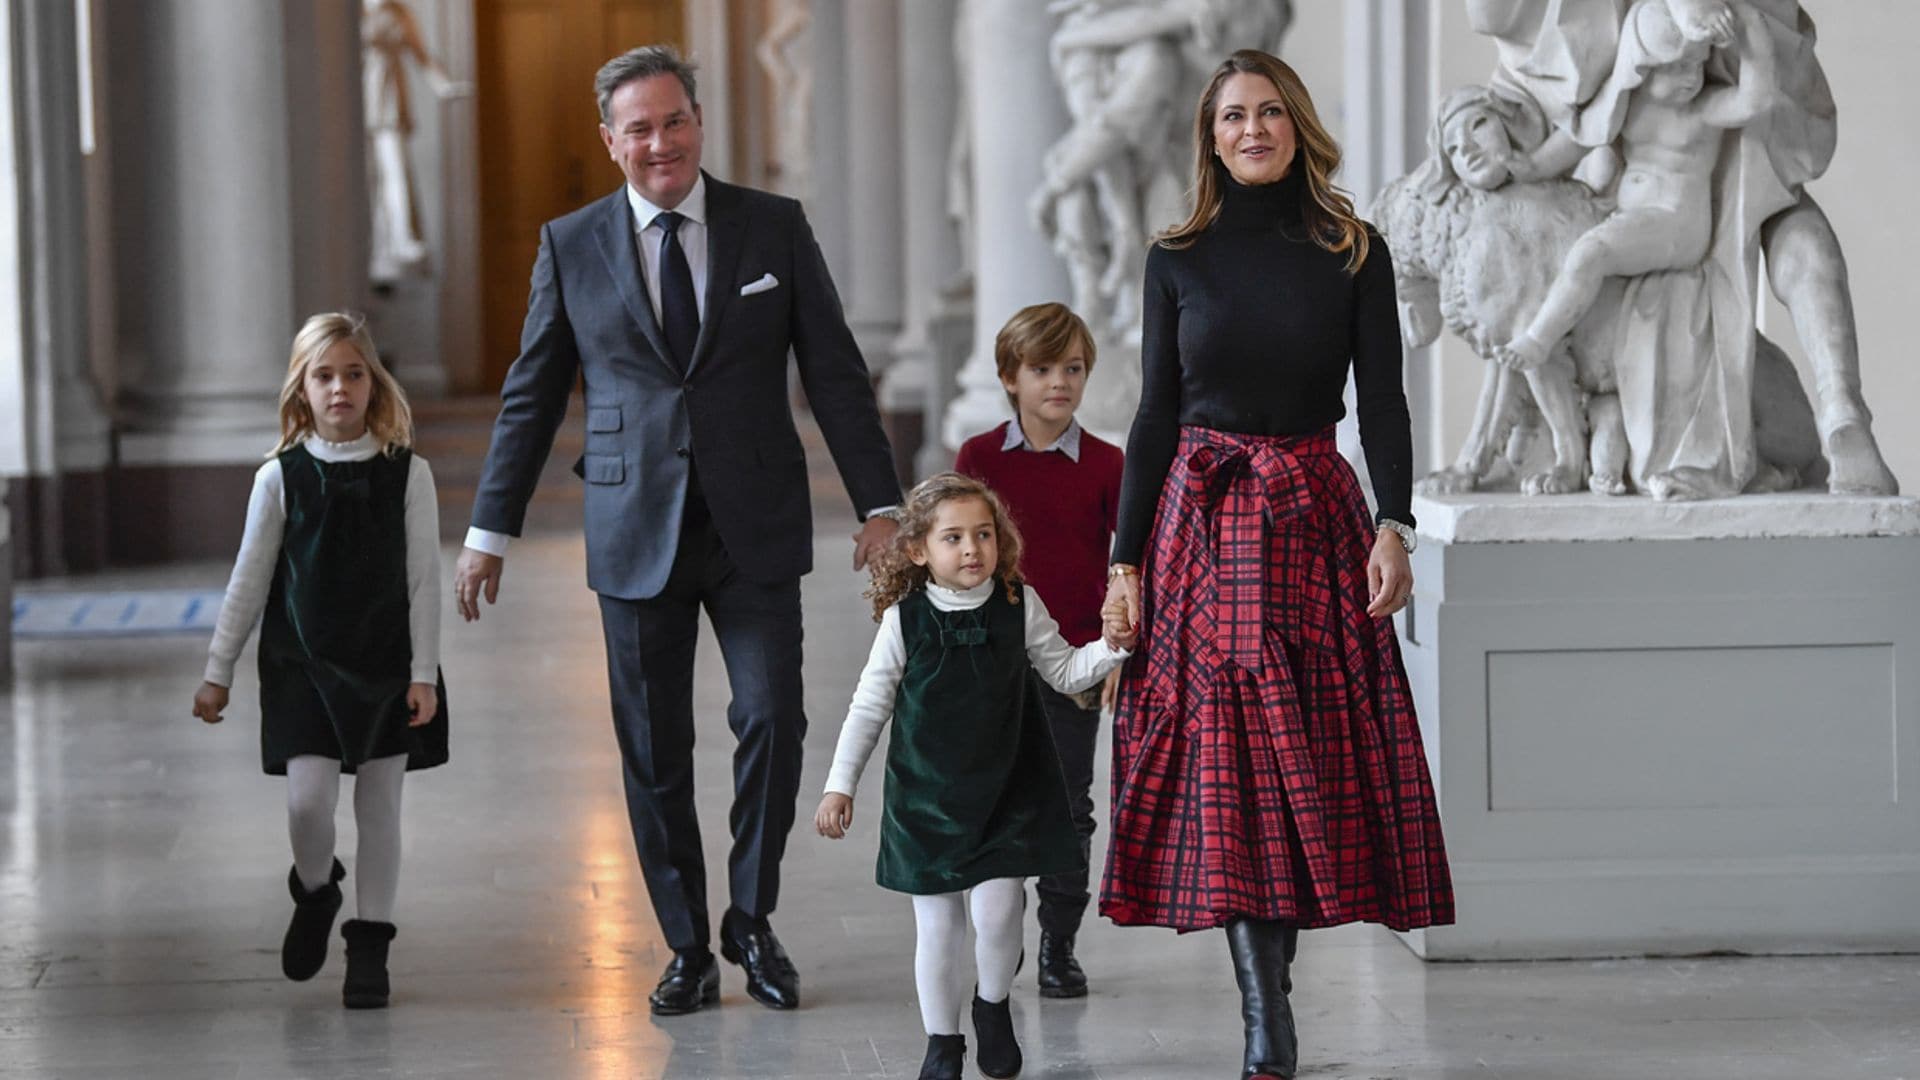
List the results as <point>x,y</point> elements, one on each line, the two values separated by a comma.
<point>366,986</point>
<point>304,950</point>
<point>946,1057</point>
<point>996,1051</point>
<point>1060,974</point>
<point>1262,956</point>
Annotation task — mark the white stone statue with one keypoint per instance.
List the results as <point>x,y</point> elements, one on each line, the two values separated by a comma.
<point>960,156</point>
<point>1129,71</point>
<point>788,63</point>
<point>1722,115</point>
<point>389,37</point>
<point>1477,251</point>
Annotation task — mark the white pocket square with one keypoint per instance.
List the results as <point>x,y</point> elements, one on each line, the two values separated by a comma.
<point>767,281</point>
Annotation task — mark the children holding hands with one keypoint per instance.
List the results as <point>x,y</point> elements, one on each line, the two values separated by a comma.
<point>974,802</point>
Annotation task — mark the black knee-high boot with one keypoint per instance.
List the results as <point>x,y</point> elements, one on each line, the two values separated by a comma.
<point>1263,954</point>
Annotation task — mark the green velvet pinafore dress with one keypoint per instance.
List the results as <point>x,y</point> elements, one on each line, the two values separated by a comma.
<point>336,650</point>
<point>974,785</point>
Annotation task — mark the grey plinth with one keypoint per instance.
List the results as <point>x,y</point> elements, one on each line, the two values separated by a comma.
<point>6,587</point>
<point>1675,745</point>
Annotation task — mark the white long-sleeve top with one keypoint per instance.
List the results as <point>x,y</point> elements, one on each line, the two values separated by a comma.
<point>1065,668</point>
<point>260,549</point>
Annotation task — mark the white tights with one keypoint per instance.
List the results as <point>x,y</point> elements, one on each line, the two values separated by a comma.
<point>313,790</point>
<point>940,925</point>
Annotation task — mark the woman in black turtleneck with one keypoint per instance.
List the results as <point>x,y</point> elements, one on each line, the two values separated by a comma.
<point>1268,772</point>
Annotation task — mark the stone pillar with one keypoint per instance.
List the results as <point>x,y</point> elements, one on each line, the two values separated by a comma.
<point>1390,101</point>
<point>1016,114</point>
<point>874,182</point>
<point>64,437</point>
<point>932,256</point>
<point>828,173</point>
<point>707,37</point>
<point>225,244</point>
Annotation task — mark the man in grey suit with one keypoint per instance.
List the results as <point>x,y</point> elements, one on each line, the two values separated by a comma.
<point>676,301</point>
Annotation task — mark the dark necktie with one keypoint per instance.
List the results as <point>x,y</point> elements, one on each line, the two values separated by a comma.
<point>679,313</point>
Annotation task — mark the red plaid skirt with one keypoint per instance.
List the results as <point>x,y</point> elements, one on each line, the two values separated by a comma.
<point>1266,758</point>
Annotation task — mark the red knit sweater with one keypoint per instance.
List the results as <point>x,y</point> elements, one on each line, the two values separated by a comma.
<point>1065,512</point>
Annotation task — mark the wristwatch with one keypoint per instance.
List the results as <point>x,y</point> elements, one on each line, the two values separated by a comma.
<point>1406,534</point>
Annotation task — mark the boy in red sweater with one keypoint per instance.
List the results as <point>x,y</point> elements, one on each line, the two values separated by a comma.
<point>1062,487</point>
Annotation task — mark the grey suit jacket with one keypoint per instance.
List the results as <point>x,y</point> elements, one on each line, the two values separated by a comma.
<point>589,317</point>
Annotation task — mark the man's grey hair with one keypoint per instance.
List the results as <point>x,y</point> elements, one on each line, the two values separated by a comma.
<point>641,63</point>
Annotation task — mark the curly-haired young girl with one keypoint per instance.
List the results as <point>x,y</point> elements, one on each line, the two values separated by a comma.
<point>975,798</point>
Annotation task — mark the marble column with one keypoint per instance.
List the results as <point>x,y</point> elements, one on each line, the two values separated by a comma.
<point>1390,97</point>
<point>874,182</point>
<point>64,437</point>
<point>1016,114</point>
<point>828,172</point>
<point>707,35</point>
<point>227,241</point>
<point>932,250</point>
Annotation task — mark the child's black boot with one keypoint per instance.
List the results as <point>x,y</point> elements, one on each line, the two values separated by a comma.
<point>304,950</point>
<point>366,986</point>
<point>946,1057</point>
<point>996,1051</point>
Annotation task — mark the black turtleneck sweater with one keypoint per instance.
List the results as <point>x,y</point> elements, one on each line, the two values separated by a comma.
<point>1251,330</point>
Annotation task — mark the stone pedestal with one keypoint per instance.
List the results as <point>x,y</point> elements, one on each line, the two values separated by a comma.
<point>1669,746</point>
<point>6,587</point>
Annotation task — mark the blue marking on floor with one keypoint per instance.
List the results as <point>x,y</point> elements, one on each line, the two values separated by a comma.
<point>127,613</point>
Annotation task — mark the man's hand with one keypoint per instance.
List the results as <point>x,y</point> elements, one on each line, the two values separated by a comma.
<point>872,539</point>
<point>474,572</point>
<point>423,701</point>
<point>209,702</point>
<point>1110,691</point>
<point>834,816</point>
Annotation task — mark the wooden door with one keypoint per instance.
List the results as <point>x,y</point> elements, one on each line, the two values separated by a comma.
<point>540,150</point>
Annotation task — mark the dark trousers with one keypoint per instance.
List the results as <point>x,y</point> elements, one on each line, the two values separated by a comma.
<point>650,649</point>
<point>1063,897</point>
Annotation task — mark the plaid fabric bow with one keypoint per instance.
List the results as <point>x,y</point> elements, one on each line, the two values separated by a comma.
<point>1269,562</point>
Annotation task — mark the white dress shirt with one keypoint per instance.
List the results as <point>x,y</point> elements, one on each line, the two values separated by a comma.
<point>260,552</point>
<point>1060,665</point>
<point>693,241</point>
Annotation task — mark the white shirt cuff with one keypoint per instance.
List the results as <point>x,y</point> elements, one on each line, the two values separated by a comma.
<point>486,542</point>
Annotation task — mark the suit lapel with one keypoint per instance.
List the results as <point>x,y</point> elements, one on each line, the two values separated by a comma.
<point>726,235</point>
<point>620,247</point>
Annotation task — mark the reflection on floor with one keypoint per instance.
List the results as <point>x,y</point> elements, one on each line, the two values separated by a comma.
<point>142,896</point>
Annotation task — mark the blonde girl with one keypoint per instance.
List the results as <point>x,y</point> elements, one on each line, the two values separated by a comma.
<point>341,555</point>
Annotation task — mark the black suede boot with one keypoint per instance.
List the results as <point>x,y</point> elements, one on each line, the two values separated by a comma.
<point>946,1057</point>
<point>1262,956</point>
<point>1060,974</point>
<point>996,1051</point>
<point>366,986</point>
<point>304,950</point>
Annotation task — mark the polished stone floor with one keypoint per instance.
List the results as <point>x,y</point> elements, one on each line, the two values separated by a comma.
<point>143,860</point>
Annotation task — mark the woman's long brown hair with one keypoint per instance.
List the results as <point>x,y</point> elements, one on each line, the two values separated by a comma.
<point>1327,211</point>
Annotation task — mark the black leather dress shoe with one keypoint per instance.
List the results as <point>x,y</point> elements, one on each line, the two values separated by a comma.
<point>771,978</point>
<point>692,980</point>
